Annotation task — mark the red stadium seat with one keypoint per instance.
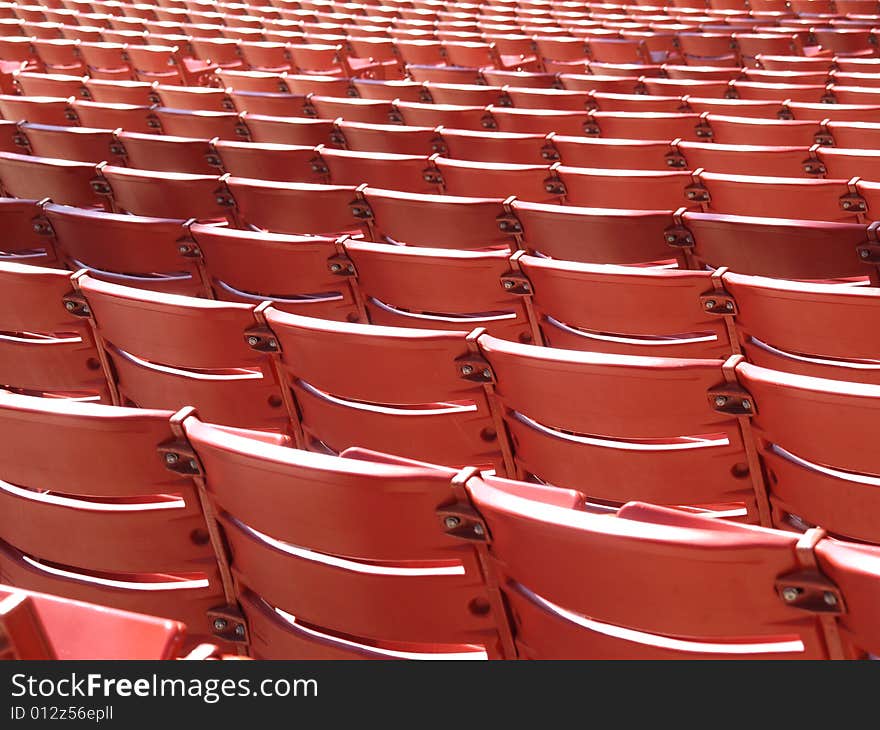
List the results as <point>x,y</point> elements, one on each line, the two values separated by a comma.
<point>285,130</point>
<point>143,543</point>
<point>167,349</point>
<point>785,249</point>
<point>164,153</point>
<point>407,286</point>
<point>499,180</point>
<point>69,143</point>
<point>388,138</point>
<point>22,243</point>
<point>647,125</point>
<point>297,208</point>
<point>406,173</point>
<point>612,154</point>
<point>600,188</point>
<point>728,604</point>
<point>305,489</point>
<point>623,309</point>
<point>777,197</point>
<point>201,125</point>
<point>64,181</point>
<point>741,159</point>
<point>46,348</point>
<point>165,194</point>
<point>287,163</point>
<point>40,626</point>
<point>140,252</point>
<point>832,346</point>
<point>290,271</point>
<point>506,147</point>
<point>815,473</point>
<point>590,235</point>
<point>407,394</point>
<point>434,221</point>
<point>570,416</point>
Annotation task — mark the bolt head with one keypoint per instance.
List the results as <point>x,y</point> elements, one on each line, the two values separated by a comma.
<point>790,594</point>
<point>710,304</point>
<point>508,285</point>
<point>272,344</point>
<point>253,340</point>
<point>239,630</point>
<point>466,370</point>
<point>847,205</point>
<point>193,465</point>
<point>69,306</point>
<point>720,400</point>
<point>220,624</point>
<point>478,530</point>
<point>864,253</point>
<point>335,267</point>
<point>747,405</point>
<point>451,522</point>
<point>829,598</point>
<point>487,373</point>
<point>670,239</point>
<point>729,306</point>
<point>182,249</point>
<point>171,458</point>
